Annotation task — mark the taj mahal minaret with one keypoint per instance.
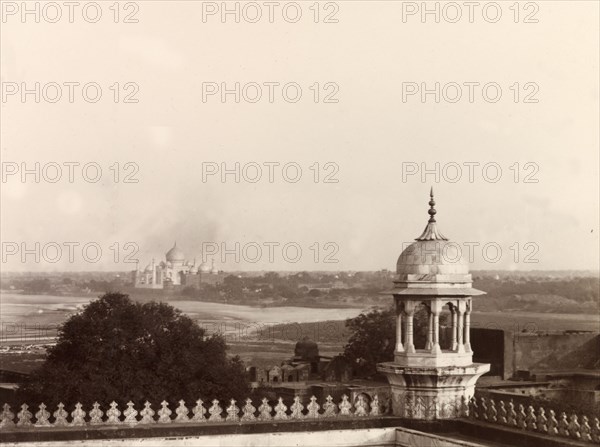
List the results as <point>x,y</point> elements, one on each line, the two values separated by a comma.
<point>431,381</point>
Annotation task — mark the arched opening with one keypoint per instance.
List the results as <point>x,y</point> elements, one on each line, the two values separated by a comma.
<point>252,373</point>
<point>448,324</point>
<point>421,325</point>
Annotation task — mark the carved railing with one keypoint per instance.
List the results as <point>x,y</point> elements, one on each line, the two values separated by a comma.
<point>538,420</point>
<point>213,413</point>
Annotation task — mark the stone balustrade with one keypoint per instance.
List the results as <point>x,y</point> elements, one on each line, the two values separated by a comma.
<point>540,420</point>
<point>213,412</point>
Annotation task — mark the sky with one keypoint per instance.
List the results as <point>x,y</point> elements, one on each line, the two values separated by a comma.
<point>345,168</point>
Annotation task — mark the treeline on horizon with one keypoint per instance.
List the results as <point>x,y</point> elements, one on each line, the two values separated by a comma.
<point>509,291</point>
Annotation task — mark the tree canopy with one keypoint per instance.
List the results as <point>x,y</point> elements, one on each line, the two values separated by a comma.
<point>118,349</point>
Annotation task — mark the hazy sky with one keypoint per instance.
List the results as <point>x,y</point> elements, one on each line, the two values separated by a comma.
<point>370,136</point>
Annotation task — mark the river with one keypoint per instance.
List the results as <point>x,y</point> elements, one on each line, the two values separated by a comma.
<point>43,313</point>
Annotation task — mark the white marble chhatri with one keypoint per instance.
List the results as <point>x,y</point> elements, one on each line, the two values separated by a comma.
<point>429,382</point>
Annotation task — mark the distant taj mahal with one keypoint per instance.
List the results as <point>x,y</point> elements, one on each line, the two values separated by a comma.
<point>176,272</point>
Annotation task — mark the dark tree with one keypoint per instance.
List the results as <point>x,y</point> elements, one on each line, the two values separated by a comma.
<point>117,349</point>
<point>38,286</point>
<point>233,288</point>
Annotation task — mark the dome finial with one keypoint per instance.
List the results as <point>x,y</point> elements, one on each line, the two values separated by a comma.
<point>432,212</point>
<point>431,233</point>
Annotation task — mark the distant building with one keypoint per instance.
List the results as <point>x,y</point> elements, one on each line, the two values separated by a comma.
<point>306,364</point>
<point>176,272</point>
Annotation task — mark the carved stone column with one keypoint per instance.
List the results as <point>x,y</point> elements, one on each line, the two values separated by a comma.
<point>436,308</point>
<point>409,310</point>
<point>468,328</point>
<point>429,343</point>
<point>399,317</point>
<point>460,311</point>
<point>453,335</point>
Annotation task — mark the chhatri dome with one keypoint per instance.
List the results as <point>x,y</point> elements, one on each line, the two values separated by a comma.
<point>204,267</point>
<point>175,254</point>
<point>432,253</point>
<point>306,349</point>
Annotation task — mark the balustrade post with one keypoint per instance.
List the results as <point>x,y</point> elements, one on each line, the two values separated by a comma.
<point>542,421</point>
<point>574,427</point>
<point>596,430</point>
<point>585,430</point>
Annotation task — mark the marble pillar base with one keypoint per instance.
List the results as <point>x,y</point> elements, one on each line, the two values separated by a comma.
<point>429,393</point>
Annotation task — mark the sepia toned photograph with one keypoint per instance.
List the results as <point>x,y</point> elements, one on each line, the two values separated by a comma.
<point>310,223</point>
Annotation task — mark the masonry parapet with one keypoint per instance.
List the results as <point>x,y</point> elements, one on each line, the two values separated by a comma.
<point>539,420</point>
<point>212,412</point>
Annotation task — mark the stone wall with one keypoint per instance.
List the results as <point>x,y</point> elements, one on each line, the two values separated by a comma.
<point>556,351</point>
<point>511,353</point>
